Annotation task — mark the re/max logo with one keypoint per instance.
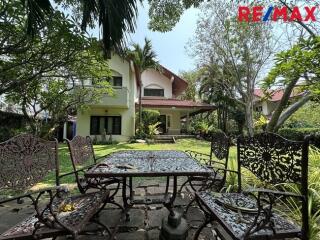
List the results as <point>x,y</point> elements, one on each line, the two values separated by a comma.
<point>257,14</point>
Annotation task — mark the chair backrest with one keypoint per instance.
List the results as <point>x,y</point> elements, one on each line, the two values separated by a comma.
<point>274,159</point>
<point>220,145</point>
<point>25,160</point>
<point>81,150</point>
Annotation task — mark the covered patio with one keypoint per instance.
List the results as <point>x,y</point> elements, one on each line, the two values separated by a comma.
<point>172,111</point>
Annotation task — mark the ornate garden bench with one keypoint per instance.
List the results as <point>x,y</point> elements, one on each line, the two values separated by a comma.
<point>251,214</point>
<point>26,160</point>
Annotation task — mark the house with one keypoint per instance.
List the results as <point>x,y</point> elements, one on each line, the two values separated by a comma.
<point>267,103</point>
<point>116,114</point>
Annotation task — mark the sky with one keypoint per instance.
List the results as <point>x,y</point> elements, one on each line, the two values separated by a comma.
<point>170,46</point>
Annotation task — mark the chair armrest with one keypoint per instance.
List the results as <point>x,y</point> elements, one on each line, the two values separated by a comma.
<point>279,193</point>
<point>77,171</point>
<point>197,153</point>
<point>41,191</point>
<point>225,170</point>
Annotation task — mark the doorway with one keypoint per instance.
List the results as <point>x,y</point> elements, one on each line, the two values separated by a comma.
<point>163,124</point>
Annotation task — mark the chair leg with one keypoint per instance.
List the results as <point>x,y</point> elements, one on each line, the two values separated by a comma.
<point>180,189</point>
<point>189,205</point>
<point>199,230</point>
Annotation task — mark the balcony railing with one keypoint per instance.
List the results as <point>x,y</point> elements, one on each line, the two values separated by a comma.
<point>120,99</point>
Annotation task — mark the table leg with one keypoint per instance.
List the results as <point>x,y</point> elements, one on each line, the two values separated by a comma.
<point>169,204</point>
<point>167,186</point>
<point>131,189</point>
<point>125,199</point>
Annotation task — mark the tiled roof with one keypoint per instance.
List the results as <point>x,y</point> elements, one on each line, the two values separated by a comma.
<point>170,102</point>
<point>275,95</point>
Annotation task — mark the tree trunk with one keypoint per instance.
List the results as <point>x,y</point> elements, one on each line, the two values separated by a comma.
<point>291,110</point>
<point>249,117</point>
<point>283,102</point>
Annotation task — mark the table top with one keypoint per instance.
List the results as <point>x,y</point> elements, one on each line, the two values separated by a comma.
<point>139,163</point>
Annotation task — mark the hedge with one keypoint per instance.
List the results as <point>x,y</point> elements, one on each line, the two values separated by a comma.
<point>298,134</point>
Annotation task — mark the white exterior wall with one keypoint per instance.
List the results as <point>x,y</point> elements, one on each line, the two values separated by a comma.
<point>154,79</point>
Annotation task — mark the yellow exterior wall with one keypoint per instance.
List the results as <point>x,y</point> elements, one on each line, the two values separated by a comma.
<point>121,67</point>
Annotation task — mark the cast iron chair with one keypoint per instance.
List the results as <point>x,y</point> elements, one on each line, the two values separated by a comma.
<point>83,158</point>
<point>26,160</point>
<point>250,214</point>
<point>217,160</point>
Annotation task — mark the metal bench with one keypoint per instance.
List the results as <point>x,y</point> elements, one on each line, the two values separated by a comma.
<point>26,160</point>
<point>251,214</point>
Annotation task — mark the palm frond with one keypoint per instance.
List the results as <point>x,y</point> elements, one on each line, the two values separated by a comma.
<point>116,19</point>
<point>37,11</point>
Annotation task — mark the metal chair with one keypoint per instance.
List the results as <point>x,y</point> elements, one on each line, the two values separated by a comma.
<point>217,160</point>
<point>250,214</point>
<point>26,160</point>
<point>83,158</point>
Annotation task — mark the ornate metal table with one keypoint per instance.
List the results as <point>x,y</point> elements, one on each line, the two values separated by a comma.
<point>129,164</point>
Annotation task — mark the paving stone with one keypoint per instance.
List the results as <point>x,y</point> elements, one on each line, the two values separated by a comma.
<point>155,217</point>
<point>138,235</point>
<point>139,192</point>
<point>137,217</point>
<point>110,217</point>
<point>149,183</point>
<point>155,190</point>
<point>153,234</point>
<point>194,214</point>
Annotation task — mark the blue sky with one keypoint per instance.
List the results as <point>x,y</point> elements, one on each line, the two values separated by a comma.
<point>170,46</point>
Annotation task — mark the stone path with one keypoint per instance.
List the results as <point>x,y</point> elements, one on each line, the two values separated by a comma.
<point>145,221</point>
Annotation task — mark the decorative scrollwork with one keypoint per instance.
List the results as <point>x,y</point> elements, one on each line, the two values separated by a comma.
<point>81,150</point>
<point>25,160</point>
<point>220,145</point>
<point>271,158</point>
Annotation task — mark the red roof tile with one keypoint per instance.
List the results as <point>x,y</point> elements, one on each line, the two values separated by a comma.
<point>276,95</point>
<point>165,102</point>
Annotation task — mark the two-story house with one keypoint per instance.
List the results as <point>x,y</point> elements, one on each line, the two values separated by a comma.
<point>116,114</point>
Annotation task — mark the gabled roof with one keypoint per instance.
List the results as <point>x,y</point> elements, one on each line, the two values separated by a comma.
<point>179,85</point>
<point>276,95</point>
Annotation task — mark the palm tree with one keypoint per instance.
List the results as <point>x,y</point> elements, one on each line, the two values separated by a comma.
<point>142,58</point>
<point>115,17</point>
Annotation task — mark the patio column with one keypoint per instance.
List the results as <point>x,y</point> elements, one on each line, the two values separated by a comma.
<point>65,130</point>
<point>187,123</point>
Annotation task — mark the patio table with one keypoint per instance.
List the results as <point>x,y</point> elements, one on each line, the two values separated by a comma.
<point>143,163</point>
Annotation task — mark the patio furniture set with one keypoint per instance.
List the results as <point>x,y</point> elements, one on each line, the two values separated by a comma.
<point>26,160</point>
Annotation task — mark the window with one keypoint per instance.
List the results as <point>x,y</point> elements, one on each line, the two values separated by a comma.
<point>259,109</point>
<point>112,125</point>
<point>94,125</point>
<point>148,92</point>
<point>117,81</point>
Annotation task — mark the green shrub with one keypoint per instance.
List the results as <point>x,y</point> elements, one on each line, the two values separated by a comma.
<point>149,117</point>
<point>298,134</point>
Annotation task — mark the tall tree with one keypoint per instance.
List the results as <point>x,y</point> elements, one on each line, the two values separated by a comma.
<point>115,17</point>
<point>143,58</point>
<point>240,49</point>
<point>46,74</point>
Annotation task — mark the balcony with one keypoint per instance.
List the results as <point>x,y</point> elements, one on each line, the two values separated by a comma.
<point>120,99</point>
